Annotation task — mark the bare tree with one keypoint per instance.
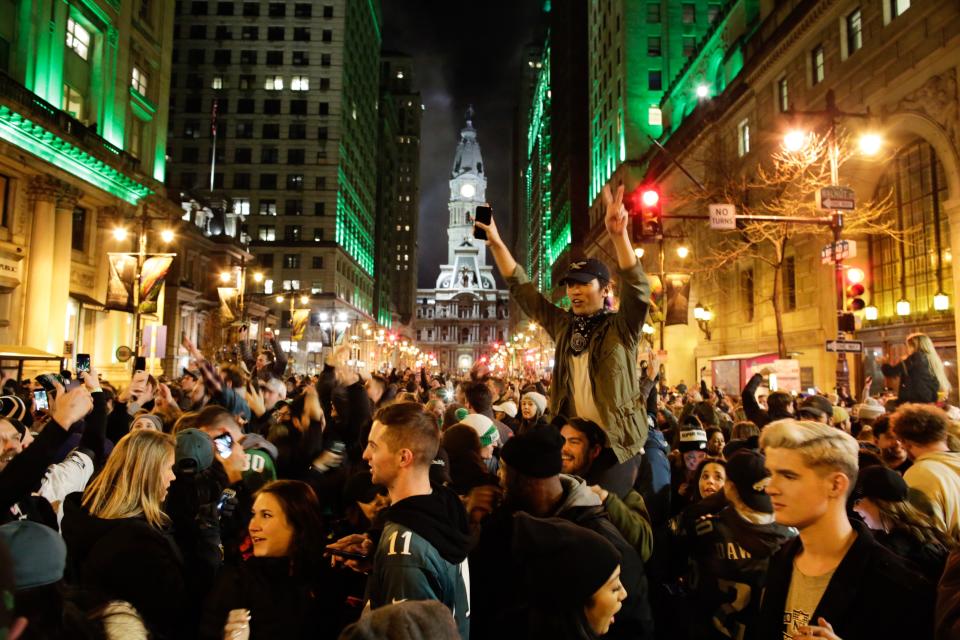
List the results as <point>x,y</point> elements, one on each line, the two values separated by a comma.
<point>785,185</point>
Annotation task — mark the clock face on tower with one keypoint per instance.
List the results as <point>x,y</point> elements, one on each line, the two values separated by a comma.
<point>467,190</point>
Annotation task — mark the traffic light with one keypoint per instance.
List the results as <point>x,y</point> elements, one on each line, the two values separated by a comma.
<point>645,206</point>
<point>855,289</point>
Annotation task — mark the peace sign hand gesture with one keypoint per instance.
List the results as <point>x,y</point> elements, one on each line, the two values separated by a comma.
<point>616,217</point>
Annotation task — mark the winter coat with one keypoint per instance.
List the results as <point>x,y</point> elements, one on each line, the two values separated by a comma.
<point>937,476</point>
<point>653,477</point>
<point>422,555</point>
<point>917,382</point>
<point>24,473</point>
<point>280,605</point>
<point>871,594</point>
<point>497,592</point>
<point>927,559</point>
<point>631,519</point>
<point>612,356</point>
<point>126,559</point>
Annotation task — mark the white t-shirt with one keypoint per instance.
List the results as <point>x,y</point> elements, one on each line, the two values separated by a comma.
<point>582,390</point>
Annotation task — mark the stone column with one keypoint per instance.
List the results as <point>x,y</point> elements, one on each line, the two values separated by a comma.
<point>43,191</point>
<point>59,293</point>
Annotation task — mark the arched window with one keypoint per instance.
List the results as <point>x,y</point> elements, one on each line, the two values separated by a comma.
<point>919,267</point>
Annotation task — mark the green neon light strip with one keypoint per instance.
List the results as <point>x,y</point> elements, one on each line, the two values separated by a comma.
<point>29,136</point>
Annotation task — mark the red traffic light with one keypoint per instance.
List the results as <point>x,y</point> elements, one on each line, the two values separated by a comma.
<point>650,198</point>
<point>855,290</point>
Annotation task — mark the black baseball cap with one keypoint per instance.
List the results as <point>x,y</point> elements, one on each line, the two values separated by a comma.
<point>583,271</point>
<point>746,470</point>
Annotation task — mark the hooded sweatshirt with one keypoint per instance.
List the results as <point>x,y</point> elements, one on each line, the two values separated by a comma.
<point>422,555</point>
<point>937,476</point>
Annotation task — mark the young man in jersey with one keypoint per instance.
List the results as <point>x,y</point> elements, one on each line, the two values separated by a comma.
<point>595,375</point>
<point>422,550</point>
<point>834,580</point>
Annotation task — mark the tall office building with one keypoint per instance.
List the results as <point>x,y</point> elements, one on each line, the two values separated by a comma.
<point>83,122</point>
<point>635,50</point>
<point>400,106</point>
<point>274,112</point>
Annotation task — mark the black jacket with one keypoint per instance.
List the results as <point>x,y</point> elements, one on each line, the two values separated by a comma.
<point>280,605</point>
<point>24,472</point>
<point>917,382</point>
<point>755,413</point>
<point>871,594</point>
<point>126,559</point>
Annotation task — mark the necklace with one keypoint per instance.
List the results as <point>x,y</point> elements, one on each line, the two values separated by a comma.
<point>582,326</point>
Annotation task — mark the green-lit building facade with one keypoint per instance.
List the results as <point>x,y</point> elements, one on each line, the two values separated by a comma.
<point>84,88</point>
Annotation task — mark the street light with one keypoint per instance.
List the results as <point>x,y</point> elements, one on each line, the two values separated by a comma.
<point>225,277</point>
<point>638,252</point>
<point>903,307</point>
<point>703,91</point>
<point>941,301</point>
<point>870,144</point>
<point>119,234</point>
<point>703,316</point>
<point>257,276</point>
<point>280,299</point>
<point>871,313</point>
<point>167,236</point>
<point>795,140</point>
<point>304,299</point>
<point>683,251</point>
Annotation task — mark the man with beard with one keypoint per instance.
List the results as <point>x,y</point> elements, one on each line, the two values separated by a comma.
<point>891,446</point>
<point>595,374</point>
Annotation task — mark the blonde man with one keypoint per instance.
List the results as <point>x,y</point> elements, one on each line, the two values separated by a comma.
<point>834,580</point>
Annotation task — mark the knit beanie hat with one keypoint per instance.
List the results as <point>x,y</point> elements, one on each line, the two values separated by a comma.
<point>509,407</point>
<point>194,449</point>
<point>462,413</point>
<point>147,421</point>
<point>538,399</point>
<point>746,471</point>
<point>589,560</point>
<point>692,439</point>
<point>535,453</point>
<point>39,553</point>
<point>871,409</point>
<point>407,620</point>
<point>486,430</point>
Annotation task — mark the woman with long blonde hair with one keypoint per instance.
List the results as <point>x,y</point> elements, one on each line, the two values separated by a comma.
<point>921,373</point>
<point>882,499</point>
<point>116,532</point>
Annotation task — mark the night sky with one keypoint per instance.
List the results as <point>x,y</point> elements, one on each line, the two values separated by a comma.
<point>464,53</point>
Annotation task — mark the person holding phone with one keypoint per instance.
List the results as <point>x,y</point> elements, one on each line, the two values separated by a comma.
<point>279,592</point>
<point>595,374</point>
<point>137,396</point>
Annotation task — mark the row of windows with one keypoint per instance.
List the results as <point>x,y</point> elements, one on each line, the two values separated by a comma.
<point>252,9</point>
<point>248,82</point>
<point>225,32</point>
<point>249,57</point>
<point>244,155</point>
<point>268,207</point>
<point>245,130</point>
<point>271,106</point>
<point>294,181</point>
<point>291,233</point>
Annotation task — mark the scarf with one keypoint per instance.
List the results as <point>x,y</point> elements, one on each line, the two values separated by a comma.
<point>582,326</point>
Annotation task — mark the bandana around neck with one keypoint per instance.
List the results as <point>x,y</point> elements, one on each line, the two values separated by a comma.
<point>582,326</point>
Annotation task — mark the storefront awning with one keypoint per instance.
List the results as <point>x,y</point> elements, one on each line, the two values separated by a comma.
<point>87,301</point>
<point>17,352</point>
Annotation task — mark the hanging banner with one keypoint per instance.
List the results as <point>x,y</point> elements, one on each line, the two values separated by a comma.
<point>152,275</point>
<point>678,297</point>
<point>299,324</point>
<point>123,272</point>
<point>229,304</point>
<point>154,343</point>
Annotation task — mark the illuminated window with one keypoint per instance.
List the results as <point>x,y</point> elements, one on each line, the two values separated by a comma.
<point>138,80</point>
<point>655,117</point>
<point>299,83</point>
<point>217,82</point>
<point>268,286</point>
<point>78,39</point>
<point>743,137</point>
<point>273,83</point>
<point>241,206</point>
<point>73,102</point>
<point>816,64</point>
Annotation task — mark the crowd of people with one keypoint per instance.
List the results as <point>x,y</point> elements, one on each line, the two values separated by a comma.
<point>240,500</point>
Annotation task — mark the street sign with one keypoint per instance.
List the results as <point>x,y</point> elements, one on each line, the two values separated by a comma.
<point>838,251</point>
<point>723,216</point>
<point>845,346</point>
<point>834,198</point>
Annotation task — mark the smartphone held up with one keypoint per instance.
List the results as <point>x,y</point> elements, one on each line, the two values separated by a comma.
<point>483,215</point>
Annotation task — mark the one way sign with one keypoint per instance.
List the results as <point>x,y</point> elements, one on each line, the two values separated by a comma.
<point>845,346</point>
